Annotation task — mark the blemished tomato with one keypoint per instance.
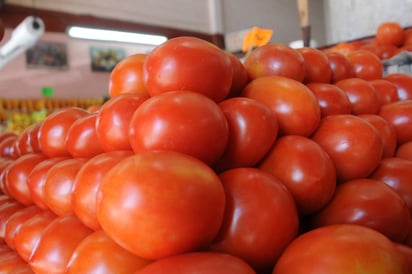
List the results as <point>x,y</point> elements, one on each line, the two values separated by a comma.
<point>86,184</point>
<point>294,105</point>
<point>56,244</point>
<point>317,68</point>
<point>399,115</point>
<point>340,66</point>
<point>390,33</point>
<point>199,263</point>
<point>403,83</point>
<point>275,59</point>
<point>53,130</point>
<point>404,151</point>
<point>98,253</point>
<point>257,238</point>
<point>81,140</point>
<point>368,202</point>
<point>366,65</point>
<point>58,185</point>
<point>386,91</point>
<point>188,63</point>
<point>158,203</point>
<point>353,144</point>
<point>113,119</point>
<point>396,173</point>
<point>331,98</point>
<point>240,76</point>
<point>361,94</point>
<point>127,76</point>
<point>304,167</point>
<point>182,121</point>
<point>252,131</point>
<point>341,249</point>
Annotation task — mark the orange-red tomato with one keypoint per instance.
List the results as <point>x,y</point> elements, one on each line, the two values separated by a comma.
<point>7,209</point>
<point>340,66</point>
<point>27,141</point>
<point>366,65</point>
<point>404,151</point>
<point>317,67</point>
<point>403,83</point>
<point>399,115</point>
<point>386,91</point>
<point>331,98</point>
<point>390,33</point>
<point>240,76</point>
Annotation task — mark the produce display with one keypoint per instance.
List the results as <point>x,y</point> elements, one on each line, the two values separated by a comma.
<point>291,161</point>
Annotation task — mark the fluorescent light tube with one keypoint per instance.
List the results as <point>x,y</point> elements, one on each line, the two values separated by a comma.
<point>115,36</point>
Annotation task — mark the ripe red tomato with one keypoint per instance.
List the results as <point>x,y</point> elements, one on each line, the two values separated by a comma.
<point>182,121</point>
<point>28,142</point>
<point>331,98</point>
<point>317,68</point>
<point>240,76</point>
<point>361,94</point>
<point>366,65</point>
<point>340,66</point>
<point>10,262</point>
<point>158,203</point>
<point>53,131</point>
<point>388,51</point>
<point>406,251</point>
<point>188,63</point>
<point>252,131</point>
<point>390,33</point>
<point>403,82</point>
<point>374,48</point>
<point>353,144</point>
<point>98,253</point>
<point>386,91</point>
<point>113,119</point>
<point>86,184</point>
<point>199,263</point>
<point>57,243</point>
<point>404,151</point>
<point>295,107</point>
<point>399,115</point>
<point>275,59</point>
<point>368,202</point>
<point>257,238</point>
<point>305,169</point>
<point>127,76</point>
<point>7,209</point>
<point>6,146</point>
<point>341,249</point>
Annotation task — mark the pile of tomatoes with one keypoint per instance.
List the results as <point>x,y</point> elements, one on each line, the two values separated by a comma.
<point>292,161</point>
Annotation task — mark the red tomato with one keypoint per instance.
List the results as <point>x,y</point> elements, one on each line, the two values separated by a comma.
<point>27,141</point>
<point>98,253</point>
<point>113,119</point>
<point>257,238</point>
<point>188,63</point>
<point>341,249</point>
<point>275,59</point>
<point>148,197</point>
<point>366,65</point>
<point>317,68</point>
<point>404,151</point>
<point>17,176</point>
<point>7,209</point>
<point>386,132</point>
<point>58,185</point>
<point>353,144</point>
<point>340,66</point>
<point>361,94</point>
<point>390,33</point>
<point>29,233</point>
<point>406,251</point>
<point>182,121</point>
<point>240,76</point>
<point>57,242</point>
<point>332,99</point>
<point>199,263</point>
<point>127,76</point>
<point>53,131</point>
<point>87,182</point>
<point>295,107</point>
<point>386,91</point>
<point>396,173</point>
<point>399,115</point>
<point>374,48</point>
<point>252,131</point>
<point>305,169</point>
<point>6,146</point>
<point>11,262</point>
<point>403,83</point>
<point>388,51</point>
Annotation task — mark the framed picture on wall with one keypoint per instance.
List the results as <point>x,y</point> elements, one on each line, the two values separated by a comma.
<point>47,54</point>
<point>105,58</point>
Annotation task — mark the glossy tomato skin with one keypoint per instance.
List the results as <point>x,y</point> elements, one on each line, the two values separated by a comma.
<point>332,99</point>
<point>293,104</point>
<point>151,195</point>
<point>345,244</point>
<point>366,65</point>
<point>399,115</point>
<point>390,33</point>
<point>386,91</point>
<point>6,146</point>
<point>252,131</point>
<point>198,262</point>
<point>53,131</point>
<point>353,144</point>
<point>403,83</point>
<point>368,202</point>
<point>317,68</point>
<point>27,141</point>
<point>170,67</point>
<point>240,76</point>
<point>275,59</point>
<point>257,238</point>
<point>182,121</point>
<point>305,168</point>
<point>404,151</point>
<point>113,119</point>
<point>340,66</point>
<point>7,209</point>
<point>10,262</point>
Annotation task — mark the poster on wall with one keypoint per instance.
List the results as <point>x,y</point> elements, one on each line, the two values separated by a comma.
<point>105,58</point>
<point>47,54</point>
